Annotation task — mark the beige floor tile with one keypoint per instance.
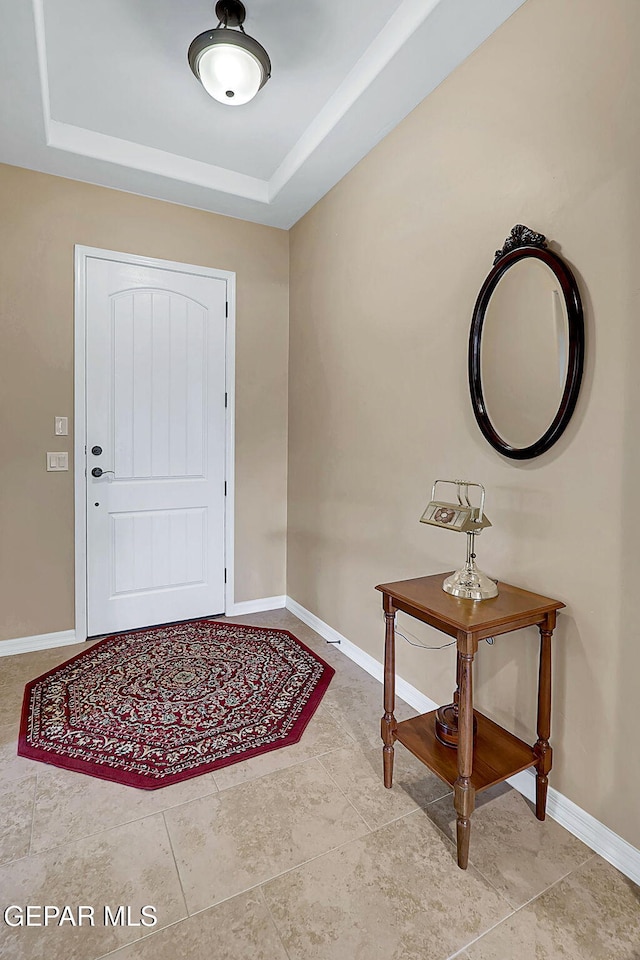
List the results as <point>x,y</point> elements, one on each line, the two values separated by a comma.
<point>519,855</point>
<point>72,805</point>
<point>26,666</point>
<point>396,894</point>
<point>355,703</point>
<point>320,736</point>
<point>231,841</point>
<point>593,914</point>
<point>13,767</point>
<point>357,770</point>
<point>17,670</point>
<point>16,812</point>
<point>238,929</point>
<point>131,865</point>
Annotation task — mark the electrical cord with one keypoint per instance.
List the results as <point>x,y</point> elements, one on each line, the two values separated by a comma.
<point>424,646</point>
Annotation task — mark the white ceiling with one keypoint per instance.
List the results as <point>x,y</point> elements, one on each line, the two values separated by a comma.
<point>101,91</point>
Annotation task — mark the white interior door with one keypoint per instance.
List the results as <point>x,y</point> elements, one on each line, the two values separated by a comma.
<point>155,375</point>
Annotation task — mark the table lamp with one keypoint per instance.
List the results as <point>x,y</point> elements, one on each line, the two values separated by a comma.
<point>468,582</point>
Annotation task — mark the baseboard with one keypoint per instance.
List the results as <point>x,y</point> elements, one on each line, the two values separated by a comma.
<point>44,641</point>
<point>404,690</point>
<point>41,642</point>
<point>255,606</point>
<point>601,839</point>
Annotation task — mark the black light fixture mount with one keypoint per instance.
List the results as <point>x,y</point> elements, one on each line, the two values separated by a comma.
<point>231,12</point>
<point>230,65</point>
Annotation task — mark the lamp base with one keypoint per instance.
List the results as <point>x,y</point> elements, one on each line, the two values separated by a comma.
<point>447,725</point>
<point>469,583</point>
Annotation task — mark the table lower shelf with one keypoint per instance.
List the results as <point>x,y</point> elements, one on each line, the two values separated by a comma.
<point>497,753</point>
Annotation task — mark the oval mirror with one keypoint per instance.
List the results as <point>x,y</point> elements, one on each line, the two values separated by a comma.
<point>526,348</point>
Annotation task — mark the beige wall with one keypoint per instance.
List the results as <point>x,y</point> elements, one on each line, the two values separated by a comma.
<point>540,126</point>
<point>41,218</point>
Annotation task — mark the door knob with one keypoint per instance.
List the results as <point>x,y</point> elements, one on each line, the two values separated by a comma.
<point>98,472</point>
<point>96,451</point>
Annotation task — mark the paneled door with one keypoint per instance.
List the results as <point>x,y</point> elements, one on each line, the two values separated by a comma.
<point>155,395</point>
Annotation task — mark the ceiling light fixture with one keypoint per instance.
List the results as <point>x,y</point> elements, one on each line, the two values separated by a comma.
<point>230,65</point>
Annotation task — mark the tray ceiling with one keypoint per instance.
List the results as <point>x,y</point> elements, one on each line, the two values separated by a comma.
<point>102,92</point>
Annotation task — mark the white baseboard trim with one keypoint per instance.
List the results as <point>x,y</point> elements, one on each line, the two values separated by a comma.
<point>44,641</point>
<point>404,690</point>
<point>568,814</point>
<point>601,839</point>
<point>255,606</point>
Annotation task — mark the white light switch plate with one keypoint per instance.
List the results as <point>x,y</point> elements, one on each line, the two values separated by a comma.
<point>61,426</point>
<point>57,461</point>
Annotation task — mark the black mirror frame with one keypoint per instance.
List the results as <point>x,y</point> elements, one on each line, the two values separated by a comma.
<point>523,243</point>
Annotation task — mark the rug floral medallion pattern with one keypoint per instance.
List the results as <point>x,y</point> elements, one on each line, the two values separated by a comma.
<point>150,708</point>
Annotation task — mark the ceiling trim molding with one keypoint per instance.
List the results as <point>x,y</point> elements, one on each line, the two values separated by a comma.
<point>90,143</point>
<point>43,67</point>
<point>404,22</point>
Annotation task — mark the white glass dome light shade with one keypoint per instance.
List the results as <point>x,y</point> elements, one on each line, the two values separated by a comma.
<point>231,66</point>
<point>229,74</point>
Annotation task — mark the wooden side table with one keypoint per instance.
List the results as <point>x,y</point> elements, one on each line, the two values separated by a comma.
<point>497,754</point>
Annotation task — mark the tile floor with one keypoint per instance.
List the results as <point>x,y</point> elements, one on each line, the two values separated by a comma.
<point>300,854</point>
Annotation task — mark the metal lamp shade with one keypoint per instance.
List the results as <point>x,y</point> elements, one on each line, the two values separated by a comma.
<point>230,65</point>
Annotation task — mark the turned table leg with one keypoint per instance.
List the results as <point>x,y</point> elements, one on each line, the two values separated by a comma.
<point>388,724</point>
<point>464,792</point>
<point>542,750</point>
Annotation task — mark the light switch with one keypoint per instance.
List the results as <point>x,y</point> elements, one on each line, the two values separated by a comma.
<point>62,426</point>
<point>57,461</point>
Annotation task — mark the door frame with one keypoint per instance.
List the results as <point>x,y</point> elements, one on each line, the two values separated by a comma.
<point>81,255</point>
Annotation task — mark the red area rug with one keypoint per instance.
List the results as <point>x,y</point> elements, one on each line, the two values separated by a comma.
<point>153,707</point>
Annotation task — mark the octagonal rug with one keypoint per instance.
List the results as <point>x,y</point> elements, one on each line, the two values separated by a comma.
<point>152,707</point>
